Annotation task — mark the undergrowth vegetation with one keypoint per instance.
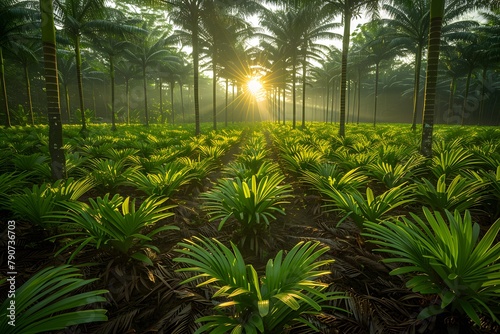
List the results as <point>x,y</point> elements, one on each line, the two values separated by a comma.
<point>255,229</point>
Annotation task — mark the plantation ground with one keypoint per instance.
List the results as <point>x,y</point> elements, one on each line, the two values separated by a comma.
<point>463,175</point>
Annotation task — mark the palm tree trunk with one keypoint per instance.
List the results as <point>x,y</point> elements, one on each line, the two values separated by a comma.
<point>79,77</point>
<point>161,101</point>
<point>28,94</point>
<point>284,103</point>
<point>481,106</point>
<point>214,90</point>
<point>227,96</point>
<point>127,94</point>
<point>451,99</point>
<point>348,101</point>
<point>112,74</point>
<point>144,86</point>
<point>327,104</point>
<point>294,103</point>
<point>182,100</point>
<point>58,162</point>
<point>343,79</point>
<point>232,102</point>
<point>467,87</point>
<point>416,85</point>
<point>172,85</point>
<point>334,92</point>
<point>68,104</point>
<point>4,90</point>
<point>436,18</point>
<point>304,91</point>
<point>376,95</point>
<point>196,56</point>
<point>359,95</point>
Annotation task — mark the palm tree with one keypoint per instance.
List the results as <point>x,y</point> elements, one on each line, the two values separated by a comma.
<point>127,71</point>
<point>189,14</point>
<point>348,9</point>
<point>15,19</point>
<point>26,54</point>
<point>58,161</point>
<point>377,47</point>
<point>114,44</point>
<point>275,59</point>
<point>285,31</point>
<point>490,54</point>
<point>437,13</point>
<point>171,71</point>
<point>80,18</point>
<point>148,51</point>
<point>315,25</point>
<point>66,69</point>
<point>410,21</point>
<point>469,54</point>
<point>220,31</point>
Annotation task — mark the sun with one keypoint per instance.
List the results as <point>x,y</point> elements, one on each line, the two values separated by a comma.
<point>255,87</point>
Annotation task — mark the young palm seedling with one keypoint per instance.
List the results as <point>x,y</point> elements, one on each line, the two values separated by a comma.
<point>109,174</point>
<point>445,257</point>
<point>252,203</point>
<point>35,204</point>
<point>393,175</point>
<point>460,194</point>
<point>452,162</point>
<point>164,182</point>
<point>115,224</point>
<point>372,208</point>
<point>50,301</point>
<point>289,290</point>
<point>328,176</point>
<point>302,158</point>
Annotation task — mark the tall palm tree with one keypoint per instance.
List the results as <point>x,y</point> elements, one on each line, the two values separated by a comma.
<point>26,54</point>
<point>284,27</point>
<point>277,62</point>
<point>58,161</point>
<point>377,47</point>
<point>79,18</point>
<point>148,51</point>
<point>490,54</point>
<point>16,17</point>
<point>437,13</point>
<point>348,9</point>
<point>410,21</point>
<point>220,32</point>
<point>66,69</point>
<point>127,71</point>
<point>189,14</point>
<point>113,45</point>
<point>469,54</point>
<point>315,26</point>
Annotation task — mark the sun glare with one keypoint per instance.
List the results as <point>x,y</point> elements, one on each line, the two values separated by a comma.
<point>255,87</point>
